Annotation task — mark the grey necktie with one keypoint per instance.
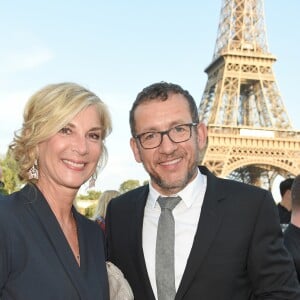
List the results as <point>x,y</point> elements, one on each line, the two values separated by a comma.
<point>164,260</point>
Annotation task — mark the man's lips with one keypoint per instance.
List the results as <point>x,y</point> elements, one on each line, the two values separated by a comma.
<point>170,162</point>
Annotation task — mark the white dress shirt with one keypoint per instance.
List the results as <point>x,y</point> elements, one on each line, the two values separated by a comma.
<point>186,216</point>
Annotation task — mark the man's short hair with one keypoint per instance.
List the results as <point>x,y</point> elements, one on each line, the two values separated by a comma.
<point>285,185</point>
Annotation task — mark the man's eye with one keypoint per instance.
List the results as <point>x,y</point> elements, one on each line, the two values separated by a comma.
<point>149,136</point>
<point>180,128</point>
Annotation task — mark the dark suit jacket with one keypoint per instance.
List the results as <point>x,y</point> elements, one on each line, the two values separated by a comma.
<point>292,242</point>
<point>237,253</point>
<point>36,261</point>
<point>284,214</point>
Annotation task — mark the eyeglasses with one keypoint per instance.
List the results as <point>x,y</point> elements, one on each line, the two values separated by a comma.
<point>178,134</point>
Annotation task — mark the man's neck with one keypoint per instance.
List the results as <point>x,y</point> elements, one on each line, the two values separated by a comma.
<point>286,202</point>
<point>295,217</point>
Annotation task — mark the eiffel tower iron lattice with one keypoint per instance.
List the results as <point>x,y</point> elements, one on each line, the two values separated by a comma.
<point>250,136</point>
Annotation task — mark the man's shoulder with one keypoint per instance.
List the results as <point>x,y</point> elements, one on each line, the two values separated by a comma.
<point>129,198</point>
<point>241,194</point>
<point>292,231</point>
<point>291,239</point>
<point>141,191</point>
<point>281,208</point>
<point>240,187</point>
<point>219,184</point>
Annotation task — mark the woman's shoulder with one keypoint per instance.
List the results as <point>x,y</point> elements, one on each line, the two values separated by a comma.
<point>10,211</point>
<point>8,202</point>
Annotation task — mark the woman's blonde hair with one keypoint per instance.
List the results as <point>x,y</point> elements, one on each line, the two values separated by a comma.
<point>45,113</point>
<point>103,201</point>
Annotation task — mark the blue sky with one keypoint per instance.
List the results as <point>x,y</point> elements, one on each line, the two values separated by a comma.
<point>116,48</point>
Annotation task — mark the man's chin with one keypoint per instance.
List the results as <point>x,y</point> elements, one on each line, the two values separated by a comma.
<point>170,186</point>
<point>174,183</point>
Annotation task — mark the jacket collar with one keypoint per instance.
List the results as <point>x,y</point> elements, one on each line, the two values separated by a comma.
<point>40,209</point>
<point>210,220</point>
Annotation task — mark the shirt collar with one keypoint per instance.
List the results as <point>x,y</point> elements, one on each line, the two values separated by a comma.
<point>195,189</point>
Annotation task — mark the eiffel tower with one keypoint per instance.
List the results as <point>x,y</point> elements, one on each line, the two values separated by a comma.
<point>250,136</point>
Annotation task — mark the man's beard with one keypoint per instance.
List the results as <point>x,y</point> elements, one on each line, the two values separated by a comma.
<point>174,186</point>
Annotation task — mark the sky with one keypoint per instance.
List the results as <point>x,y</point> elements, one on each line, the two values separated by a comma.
<point>116,48</point>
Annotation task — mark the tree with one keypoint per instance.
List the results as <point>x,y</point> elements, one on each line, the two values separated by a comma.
<point>91,195</point>
<point>11,179</point>
<point>129,185</point>
<point>2,188</point>
<point>86,204</point>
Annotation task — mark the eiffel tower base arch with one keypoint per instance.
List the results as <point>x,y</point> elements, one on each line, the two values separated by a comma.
<point>252,156</point>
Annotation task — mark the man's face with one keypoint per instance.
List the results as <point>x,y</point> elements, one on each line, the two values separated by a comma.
<point>171,166</point>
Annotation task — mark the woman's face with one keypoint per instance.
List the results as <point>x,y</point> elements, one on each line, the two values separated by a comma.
<point>70,157</point>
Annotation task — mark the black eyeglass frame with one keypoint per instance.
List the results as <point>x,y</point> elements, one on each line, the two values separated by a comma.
<point>162,133</point>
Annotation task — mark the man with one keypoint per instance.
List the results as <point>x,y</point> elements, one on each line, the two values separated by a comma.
<point>292,233</point>
<point>285,205</point>
<point>228,241</point>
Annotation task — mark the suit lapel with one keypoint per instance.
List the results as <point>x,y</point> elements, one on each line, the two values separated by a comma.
<point>40,209</point>
<point>209,222</point>
<point>139,203</point>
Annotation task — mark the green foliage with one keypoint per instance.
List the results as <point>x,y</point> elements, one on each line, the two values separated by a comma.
<point>11,179</point>
<point>89,211</point>
<point>91,195</point>
<point>129,185</point>
<point>3,191</point>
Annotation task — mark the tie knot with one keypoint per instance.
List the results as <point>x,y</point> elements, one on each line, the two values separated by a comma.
<point>168,202</point>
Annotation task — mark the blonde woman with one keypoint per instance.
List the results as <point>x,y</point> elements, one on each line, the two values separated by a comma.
<point>100,211</point>
<point>47,249</point>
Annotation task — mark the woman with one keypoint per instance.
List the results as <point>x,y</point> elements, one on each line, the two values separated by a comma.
<point>100,211</point>
<point>47,249</point>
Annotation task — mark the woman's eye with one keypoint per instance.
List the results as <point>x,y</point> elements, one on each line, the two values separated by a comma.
<point>65,130</point>
<point>94,136</point>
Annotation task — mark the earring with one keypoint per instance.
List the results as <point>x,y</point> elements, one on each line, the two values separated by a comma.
<point>33,172</point>
<point>92,181</point>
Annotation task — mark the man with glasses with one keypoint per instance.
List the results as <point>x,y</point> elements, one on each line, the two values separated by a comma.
<point>188,234</point>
